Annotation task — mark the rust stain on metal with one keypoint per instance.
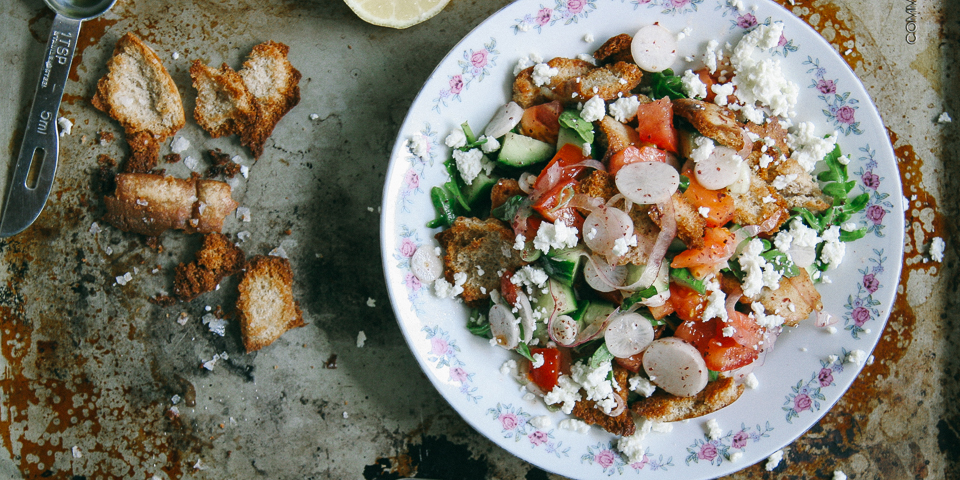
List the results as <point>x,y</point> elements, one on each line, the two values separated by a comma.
<point>90,34</point>
<point>831,21</point>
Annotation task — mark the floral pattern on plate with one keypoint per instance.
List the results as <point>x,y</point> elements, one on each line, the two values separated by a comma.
<point>715,451</point>
<point>862,307</point>
<point>841,107</point>
<point>879,205</point>
<point>516,425</point>
<point>806,396</point>
<point>564,12</point>
<point>669,7</point>
<point>444,351</point>
<point>610,461</point>
<point>475,66</point>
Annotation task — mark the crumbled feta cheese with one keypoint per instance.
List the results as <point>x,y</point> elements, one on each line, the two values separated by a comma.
<point>596,384</point>
<point>575,425</point>
<point>765,160</point>
<point>857,357</point>
<point>641,385</point>
<point>728,331</point>
<point>714,431</point>
<point>624,109</point>
<point>444,289</point>
<point>541,422</point>
<point>522,64</point>
<point>555,235</point>
<point>774,460</point>
<point>456,138</point>
<point>703,148</point>
<point>722,92</point>
<point>588,38</point>
<point>751,381</point>
<point>833,248</point>
<point>763,80</point>
<point>632,448</point>
<point>944,118</point>
<point>712,55</point>
<point>66,126</point>
<point>839,475</point>
<point>314,116</point>
<point>758,272</point>
<point>75,451</point>
<point>692,86</point>
<point>704,212</point>
<point>538,360</point>
<point>735,456</point>
<point>361,339</point>
<point>469,164</point>
<point>419,146</point>
<point>491,145</point>
<point>520,242</point>
<point>245,171</point>
<point>591,234</point>
<point>179,145</point>
<point>509,368</point>
<point>123,279</point>
<point>542,73</point>
<point>831,330</point>
<point>622,245</point>
<point>936,249</point>
<point>594,109</point>
<point>716,301</point>
<point>753,114</point>
<point>844,160</point>
<point>783,181</point>
<point>587,150</point>
<point>870,360</point>
<point>809,147</point>
<point>566,393</point>
<point>764,320</point>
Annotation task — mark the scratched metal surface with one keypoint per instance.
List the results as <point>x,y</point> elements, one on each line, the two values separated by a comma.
<point>90,363</point>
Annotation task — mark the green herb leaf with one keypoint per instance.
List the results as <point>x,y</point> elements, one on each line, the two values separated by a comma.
<point>572,119</point>
<point>684,183</point>
<point>600,356</point>
<point>683,276</point>
<point>712,376</point>
<point>468,132</point>
<point>666,84</point>
<point>781,263</point>
<point>854,235</point>
<point>638,297</point>
<point>509,209</point>
<point>524,350</point>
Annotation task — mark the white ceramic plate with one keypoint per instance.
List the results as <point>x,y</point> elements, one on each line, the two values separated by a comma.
<point>801,379</point>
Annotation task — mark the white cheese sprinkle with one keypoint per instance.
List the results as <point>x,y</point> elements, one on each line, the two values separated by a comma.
<point>594,109</point>
<point>361,339</point>
<point>774,460</point>
<point>936,249</point>
<point>714,431</point>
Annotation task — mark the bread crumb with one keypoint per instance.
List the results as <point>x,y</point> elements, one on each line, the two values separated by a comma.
<point>361,339</point>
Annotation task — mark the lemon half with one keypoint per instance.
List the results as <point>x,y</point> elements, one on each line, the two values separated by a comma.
<point>396,13</point>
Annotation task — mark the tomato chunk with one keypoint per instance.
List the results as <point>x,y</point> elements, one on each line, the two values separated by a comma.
<point>542,122</point>
<point>724,354</point>
<point>746,331</point>
<point>507,288</point>
<point>697,333</point>
<point>633,363</point>
<point>563,166</point>
<point>687,302</point>
<point>655,125</point>
<point>550,204</point>
<point>719,202</point>
<point>634,154</point>
<point>719,244</point>
<point>661,311</point>
<point>546,375</point>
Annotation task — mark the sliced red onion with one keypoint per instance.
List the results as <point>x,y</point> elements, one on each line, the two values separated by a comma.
<point>825,319</point>
<point>526,317</point>
<point>620,408</point>
<point>647,183</point>
<point>563,330</point>
<point>769,224</point>
<point>720,169</point>
<point>591,163</point>
<point>747,148</point>
<point>628,334</point>
<point>504,119</point>
<point>504,327</point>
<point>526,185</point>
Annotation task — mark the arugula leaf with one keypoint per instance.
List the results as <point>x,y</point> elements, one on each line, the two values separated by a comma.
<point>712,376</point>
<point>666,84</point>
<point>509,209</point>
<point>600,356</point>
<point>524,350</point>
<point>684,183</point>
<point>683,276</point>
<point>477,324</point>
<point>444,206</point>
<point>572,119</point>
<point>837,185</point>
<point>781,263</point>
<point>638,297</point>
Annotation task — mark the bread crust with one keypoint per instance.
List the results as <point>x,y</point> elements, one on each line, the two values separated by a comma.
<point>664,407</point>
<point>471,246</point>
<point>266,306</point>
<point>217,259</point>
<point>615,49</point>
<point>139,93</point>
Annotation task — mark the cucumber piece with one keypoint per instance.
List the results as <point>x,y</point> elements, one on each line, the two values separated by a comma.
<point>592,311</point>
<point>564,264</point>
<point>556,298</point>
<point>521,151</point>
<point>569,135</point>
<point>479,188</point>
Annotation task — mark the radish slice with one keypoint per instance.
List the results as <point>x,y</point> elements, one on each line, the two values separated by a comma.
<point>720,169</point>
<point>603,277</point>
<point>426,264</point>
<point>647,183</point>
<point>603,227</point>
<point>621,406</point>
<point>675,366</point>
<point>563,330</point>
<point>505,118</point>
<point>504,327</point>
<point>825,319</point>
<point>654,48</point>
<point>627,335</point>
<point>742,184</point>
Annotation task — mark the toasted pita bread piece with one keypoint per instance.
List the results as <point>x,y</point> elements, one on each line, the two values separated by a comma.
<point>218,258</point>
<point>622,424</point>
<point>711,120</point>
<point>266,305</point>
<point>151,204</point>
<point>615,49</point>
<point>664,407</point>
<point>472,245</point>
<point>138,92</point>
<point>224,106</point>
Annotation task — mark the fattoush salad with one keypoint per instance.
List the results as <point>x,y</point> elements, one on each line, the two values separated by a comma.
<point>638,237</point>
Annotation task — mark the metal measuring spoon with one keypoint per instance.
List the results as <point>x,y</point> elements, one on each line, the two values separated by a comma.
<point>37,164</point>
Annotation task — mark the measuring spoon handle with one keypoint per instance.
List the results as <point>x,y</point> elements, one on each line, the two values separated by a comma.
<point>28,191</point>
